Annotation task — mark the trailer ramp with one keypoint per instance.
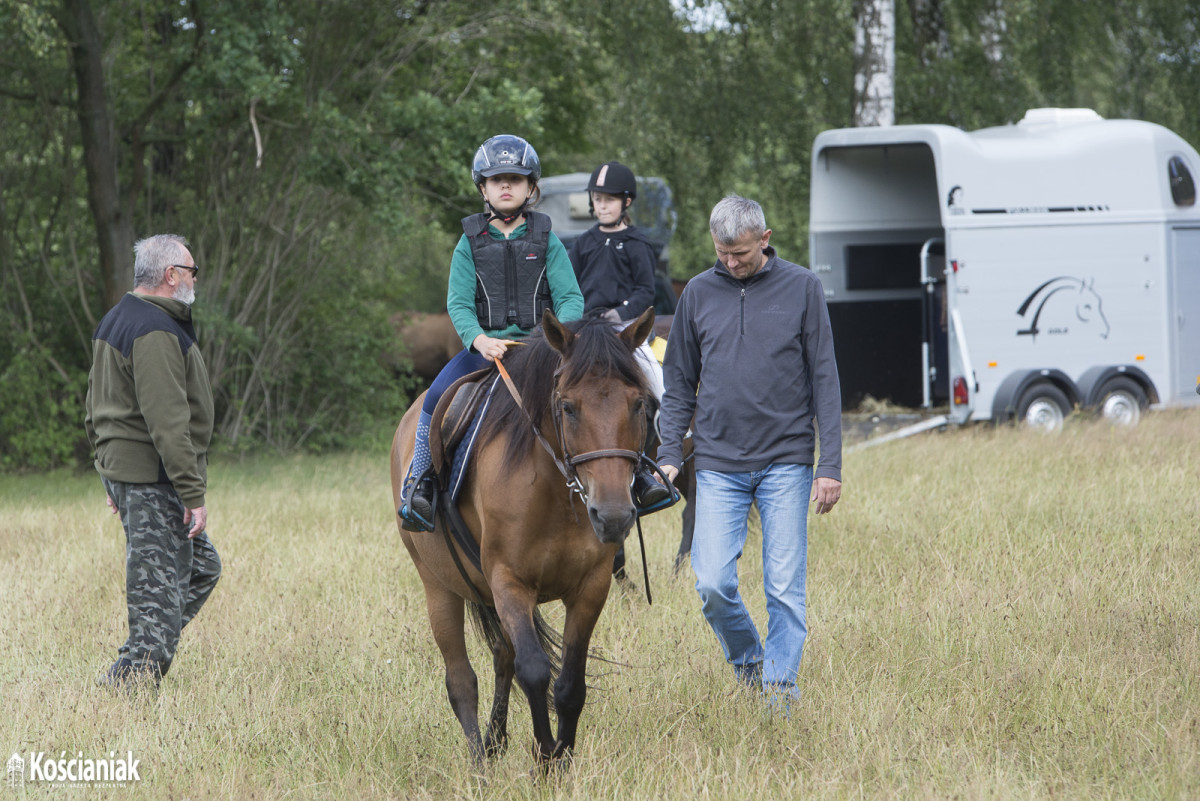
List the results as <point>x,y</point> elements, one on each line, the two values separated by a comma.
<point>928,424</point>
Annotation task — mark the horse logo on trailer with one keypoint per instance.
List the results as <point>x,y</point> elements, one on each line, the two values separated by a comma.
<point>1059,304</point>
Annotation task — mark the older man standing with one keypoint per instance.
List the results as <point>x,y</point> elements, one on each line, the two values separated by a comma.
<point>149,422</point>
<point>750,354</point>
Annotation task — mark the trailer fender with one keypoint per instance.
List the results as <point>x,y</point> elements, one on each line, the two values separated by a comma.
<point>1008,394</point>
<point>1093,381</point>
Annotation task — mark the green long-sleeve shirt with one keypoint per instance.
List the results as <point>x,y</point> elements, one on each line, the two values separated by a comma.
<point>460,296</point>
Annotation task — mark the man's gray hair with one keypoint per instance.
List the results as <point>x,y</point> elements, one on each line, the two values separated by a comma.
<point>734,217</point>
<point>153,255</point>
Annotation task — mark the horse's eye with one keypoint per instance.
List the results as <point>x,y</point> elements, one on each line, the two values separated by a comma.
<point>568,409</point>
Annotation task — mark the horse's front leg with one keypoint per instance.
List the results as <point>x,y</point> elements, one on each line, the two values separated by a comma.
<point>570,691</point>
<point>515,604</point>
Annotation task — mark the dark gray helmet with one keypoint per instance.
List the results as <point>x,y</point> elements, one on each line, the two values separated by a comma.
<point>505,155</point>
<point>613,178</point>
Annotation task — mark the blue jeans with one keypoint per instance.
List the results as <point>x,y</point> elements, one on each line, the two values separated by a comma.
<point>722,511</point>
<point>463,363</point>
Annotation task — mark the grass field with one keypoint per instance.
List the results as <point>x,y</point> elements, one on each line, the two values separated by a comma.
<point>993,614</point>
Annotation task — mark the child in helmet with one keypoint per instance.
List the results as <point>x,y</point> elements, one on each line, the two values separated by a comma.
<point>615,266</point>
<point>506,172</point>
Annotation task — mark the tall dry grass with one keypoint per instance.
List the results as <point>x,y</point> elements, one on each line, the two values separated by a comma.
<point>993,614</point>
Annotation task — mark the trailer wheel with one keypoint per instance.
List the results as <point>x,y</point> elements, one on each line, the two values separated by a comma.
<point>1043,407</point>
<point>1122,401</point>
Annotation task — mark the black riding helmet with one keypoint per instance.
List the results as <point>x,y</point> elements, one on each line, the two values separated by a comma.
<point>613,178</point>
<point>505,154</point>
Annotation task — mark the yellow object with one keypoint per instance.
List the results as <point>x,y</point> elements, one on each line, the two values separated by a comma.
<point>659,346</point>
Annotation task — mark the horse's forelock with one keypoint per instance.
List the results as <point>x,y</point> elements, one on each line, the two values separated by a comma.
<point>595,351</point>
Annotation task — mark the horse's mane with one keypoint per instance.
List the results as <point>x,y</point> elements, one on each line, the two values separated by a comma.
<point>597,351</point>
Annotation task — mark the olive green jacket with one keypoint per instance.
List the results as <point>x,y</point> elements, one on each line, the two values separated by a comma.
<point>149,403</point>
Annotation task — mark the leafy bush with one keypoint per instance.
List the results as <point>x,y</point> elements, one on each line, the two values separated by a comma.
<point>41,412</point>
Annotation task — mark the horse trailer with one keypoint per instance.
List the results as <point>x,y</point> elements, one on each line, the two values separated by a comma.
<point>1017,271</point>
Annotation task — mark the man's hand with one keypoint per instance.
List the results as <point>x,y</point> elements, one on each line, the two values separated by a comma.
<point>825,494</point>
<point>198,517</point>
<point>670,470</point>
<point>112,506</point>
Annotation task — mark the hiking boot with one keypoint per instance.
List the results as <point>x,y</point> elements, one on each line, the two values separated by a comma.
<point>648,494</point>
<point>749,675</point>
<point>124,674</point>
<point>417,512</point>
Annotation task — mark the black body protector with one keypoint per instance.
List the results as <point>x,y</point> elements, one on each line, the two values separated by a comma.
<point>510,274</point>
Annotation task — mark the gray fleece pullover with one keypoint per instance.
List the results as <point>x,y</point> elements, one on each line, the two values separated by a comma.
<point>753,361</point>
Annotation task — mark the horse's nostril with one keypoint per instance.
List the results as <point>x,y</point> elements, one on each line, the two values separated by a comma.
<point>613,520</point>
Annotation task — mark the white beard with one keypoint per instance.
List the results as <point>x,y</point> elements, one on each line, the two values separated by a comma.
<point>184,294</point>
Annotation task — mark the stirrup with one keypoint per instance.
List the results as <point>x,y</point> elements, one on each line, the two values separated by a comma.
<point>643,476</point>
<point>410,519</point>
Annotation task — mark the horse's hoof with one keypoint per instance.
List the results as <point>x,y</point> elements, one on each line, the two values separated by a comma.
<point>551,767</point>
<point>495,748</point>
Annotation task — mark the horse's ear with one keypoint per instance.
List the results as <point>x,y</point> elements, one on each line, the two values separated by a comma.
<point>557,334</point>
<point>636,334</point>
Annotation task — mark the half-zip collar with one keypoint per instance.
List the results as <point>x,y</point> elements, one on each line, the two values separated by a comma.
<point>744,284</point>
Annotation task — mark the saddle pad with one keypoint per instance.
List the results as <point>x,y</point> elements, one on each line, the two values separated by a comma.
<point>462,454</point>
<point>450,398</point>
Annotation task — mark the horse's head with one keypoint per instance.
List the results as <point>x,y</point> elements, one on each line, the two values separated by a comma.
<point>602,413</point>
<point>1088,308</point>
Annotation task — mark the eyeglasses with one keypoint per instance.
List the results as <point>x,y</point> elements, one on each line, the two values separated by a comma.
<point>195,268</point>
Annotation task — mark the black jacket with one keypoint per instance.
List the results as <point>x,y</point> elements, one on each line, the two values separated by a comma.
<point>615,270</point>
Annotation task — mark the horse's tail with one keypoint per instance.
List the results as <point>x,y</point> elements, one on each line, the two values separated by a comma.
<point>487,624</point>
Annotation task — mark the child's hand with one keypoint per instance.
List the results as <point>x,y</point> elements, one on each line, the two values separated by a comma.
<point>612,315</point>
<point>489,347</point>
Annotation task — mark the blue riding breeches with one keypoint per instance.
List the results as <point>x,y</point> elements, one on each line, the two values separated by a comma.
<point>464,363</point>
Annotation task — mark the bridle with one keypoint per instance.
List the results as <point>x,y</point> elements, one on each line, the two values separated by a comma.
<point>567,463</point>
<point>568,471</point>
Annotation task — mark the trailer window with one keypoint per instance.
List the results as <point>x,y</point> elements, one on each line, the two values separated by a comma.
<point>1183,188</point>
<point>890,266</point>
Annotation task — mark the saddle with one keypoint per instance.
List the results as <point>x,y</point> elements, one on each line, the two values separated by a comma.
<point>453,415</point>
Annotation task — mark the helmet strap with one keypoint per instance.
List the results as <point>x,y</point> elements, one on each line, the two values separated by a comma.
<point>495,215</point>
<point>622,222</point>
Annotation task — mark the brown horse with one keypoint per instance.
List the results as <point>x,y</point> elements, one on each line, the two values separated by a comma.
<point>538,538</point>
<point>427,340</point>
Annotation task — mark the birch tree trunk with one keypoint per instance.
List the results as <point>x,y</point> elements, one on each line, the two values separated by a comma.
<point>993,25</point>
<point>875,62</point>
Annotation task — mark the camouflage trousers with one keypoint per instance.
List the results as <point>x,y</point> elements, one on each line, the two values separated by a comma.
<point>167,576</point>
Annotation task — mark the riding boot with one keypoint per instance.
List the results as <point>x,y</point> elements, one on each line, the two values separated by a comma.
<point>648,494</point>
<point>416,512</point>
